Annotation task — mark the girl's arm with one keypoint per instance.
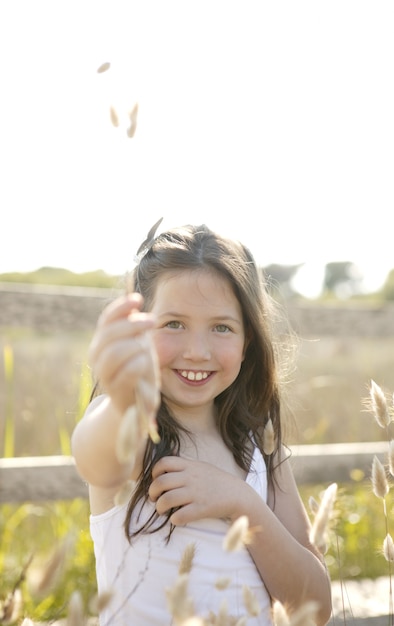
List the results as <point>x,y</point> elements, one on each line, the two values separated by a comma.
<point>123,359</point>
<point>292,568</point>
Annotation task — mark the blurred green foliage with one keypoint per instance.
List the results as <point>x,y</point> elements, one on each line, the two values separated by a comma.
<point>356,532</point>
<point>29,535</point>
<point>62,277</point>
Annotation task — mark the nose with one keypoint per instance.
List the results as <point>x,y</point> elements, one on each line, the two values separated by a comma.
<point>197,347</point>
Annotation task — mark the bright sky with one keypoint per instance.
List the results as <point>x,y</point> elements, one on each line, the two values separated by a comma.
<point>272,122</point>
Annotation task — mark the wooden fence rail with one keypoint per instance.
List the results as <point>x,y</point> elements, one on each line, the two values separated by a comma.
<point>35,479</point>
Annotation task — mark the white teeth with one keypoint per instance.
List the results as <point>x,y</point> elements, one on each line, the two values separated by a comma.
<point>194,375</point>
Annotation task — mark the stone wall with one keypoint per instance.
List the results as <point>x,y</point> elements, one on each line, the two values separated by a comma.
<point>54,309</point>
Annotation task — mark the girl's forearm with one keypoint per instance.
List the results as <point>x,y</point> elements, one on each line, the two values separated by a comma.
<point>94,446</point>
<point>291,572</point>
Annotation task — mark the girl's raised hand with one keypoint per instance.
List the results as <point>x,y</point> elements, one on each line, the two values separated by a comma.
<point>123,357</point>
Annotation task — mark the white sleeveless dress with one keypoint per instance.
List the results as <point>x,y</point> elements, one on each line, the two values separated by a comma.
<point>140,573</point>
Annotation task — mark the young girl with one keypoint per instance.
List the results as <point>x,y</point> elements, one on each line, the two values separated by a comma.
<point>192,347</point>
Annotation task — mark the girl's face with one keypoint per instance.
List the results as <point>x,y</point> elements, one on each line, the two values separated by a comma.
<point>200,339</point>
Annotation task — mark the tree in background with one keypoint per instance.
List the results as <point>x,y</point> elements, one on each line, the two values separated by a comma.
<point>343,279</point>
<point>388,287</point>
<point>279,279</point>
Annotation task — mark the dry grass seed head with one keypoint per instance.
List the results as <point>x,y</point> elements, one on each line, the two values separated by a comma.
<point>128,436</point>
<point>313,505</point>
<point>250,601</point>
<point>222,618</point>
<point>305,616</point>
<point>222,583</point>
<point>100,601</point>
<point>75,614</point>
<point>269,438</point>
<point>391,457</point>
<point>388,548</point>
<point>186,562</point>
<point>11,608</point>
<point>49,575</point>
<point>124,493</point>
<point>180,604</point>
<point>237,535</point>
<point>378,405</point>
<point>320,524</point>
<point>380,485</point>
<point>279,614</point>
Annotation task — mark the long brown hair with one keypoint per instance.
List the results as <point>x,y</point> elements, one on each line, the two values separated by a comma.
<point>242,410</point>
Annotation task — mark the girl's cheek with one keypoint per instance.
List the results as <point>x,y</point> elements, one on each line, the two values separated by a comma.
<point>164,348</point>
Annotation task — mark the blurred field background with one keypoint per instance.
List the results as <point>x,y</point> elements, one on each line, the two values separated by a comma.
<point>45,386</point>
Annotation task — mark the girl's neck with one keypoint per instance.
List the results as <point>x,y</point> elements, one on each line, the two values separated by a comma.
<point>196,420</point>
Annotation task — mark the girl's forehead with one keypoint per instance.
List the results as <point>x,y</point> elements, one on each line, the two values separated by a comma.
<point>206,283</point>
<point>192,277</point>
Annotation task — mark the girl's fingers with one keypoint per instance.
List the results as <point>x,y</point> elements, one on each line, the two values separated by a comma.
<point>120,308</point>
<point>119,322</point>
<point>124,360</point>
<point>168,464</point>
<point>165,483</point>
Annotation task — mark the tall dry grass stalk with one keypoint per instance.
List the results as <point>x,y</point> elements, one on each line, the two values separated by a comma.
<point>322,517</point>
<point>378,404</point>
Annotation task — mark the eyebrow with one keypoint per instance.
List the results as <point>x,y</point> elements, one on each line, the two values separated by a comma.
<point>216,318</point>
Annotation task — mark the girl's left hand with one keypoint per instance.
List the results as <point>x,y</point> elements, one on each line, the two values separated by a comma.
<point>196,489</point>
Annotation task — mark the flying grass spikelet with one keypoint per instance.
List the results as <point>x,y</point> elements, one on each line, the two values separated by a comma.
<point>320,524</point>
<point>380,485</point>
<point>114,116</point>
<point>104,67</point>
<point>379,406</point>
<point>133,121</point>
<point>388,548</point>
<point>237,535</point>
<point>269,438</point>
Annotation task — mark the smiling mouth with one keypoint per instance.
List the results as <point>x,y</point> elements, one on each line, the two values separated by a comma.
<point>194,376</point>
